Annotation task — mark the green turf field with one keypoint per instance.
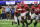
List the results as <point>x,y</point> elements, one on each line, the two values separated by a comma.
<point>7,23</point>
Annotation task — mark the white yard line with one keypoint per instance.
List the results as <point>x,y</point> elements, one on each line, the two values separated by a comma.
<point>5,23</point>
<point>6,20</point>
<point>12,20</point>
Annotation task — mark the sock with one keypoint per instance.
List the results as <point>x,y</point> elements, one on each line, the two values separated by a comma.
<point>31,20</point>
<point>12,22</point>
<point>18,22</point>
<point>35,23</point>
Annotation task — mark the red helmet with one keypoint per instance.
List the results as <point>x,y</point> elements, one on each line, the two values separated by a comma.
<point>35,2</point>
<point>22,2</point>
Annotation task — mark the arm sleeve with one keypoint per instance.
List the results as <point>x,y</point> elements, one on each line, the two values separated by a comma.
<point>26,5</point>
<point>32,7</point>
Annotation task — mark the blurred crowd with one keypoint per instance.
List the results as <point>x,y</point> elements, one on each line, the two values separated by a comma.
<point>7,12</point>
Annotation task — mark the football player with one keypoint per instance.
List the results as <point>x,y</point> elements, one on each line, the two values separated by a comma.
<point>35,8</point>
<point>39,13</point>
<point>22,8</point>
<point>17,15</point>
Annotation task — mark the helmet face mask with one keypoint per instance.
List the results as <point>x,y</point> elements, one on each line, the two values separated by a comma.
<point>22,4</point>
<point>35,4</point>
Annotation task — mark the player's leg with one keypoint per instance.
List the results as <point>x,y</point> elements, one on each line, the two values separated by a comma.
<point>18,18</point>
<point>36,20</point>
<point>26,20</point>
<point>0,15</point>
<point>15,19</point>
<point>4,15</point>
<point>35,23</point>
<point>28,16</point>
<point>7,15</point>
<point>34,16</point>
<point>22,17</point>
<point>12,15</point>
<point>39,18</point>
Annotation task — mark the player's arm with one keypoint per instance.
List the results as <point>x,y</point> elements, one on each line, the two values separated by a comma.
<point>16,9</point>
<point>28,8</point>
<point>32,9</point>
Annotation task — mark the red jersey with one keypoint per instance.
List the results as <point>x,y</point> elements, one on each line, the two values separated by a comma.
<point>39,8</point>
<point>17,10</point>
<point>23,9</point>
<point>35,9</point>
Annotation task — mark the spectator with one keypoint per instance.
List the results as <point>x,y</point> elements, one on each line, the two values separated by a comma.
<point>12,12</point>
<point>3,13</point>
<point>8,11</point>
<point>0,12</point>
